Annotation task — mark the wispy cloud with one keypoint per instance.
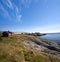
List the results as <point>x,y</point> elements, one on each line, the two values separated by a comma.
<point>8,3</point>
<point>19,17</point>
<point>18,14</point>
<point>27,3</point>
<point>4,11</point>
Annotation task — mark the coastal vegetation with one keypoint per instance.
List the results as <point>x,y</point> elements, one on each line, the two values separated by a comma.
<point>18,49</point>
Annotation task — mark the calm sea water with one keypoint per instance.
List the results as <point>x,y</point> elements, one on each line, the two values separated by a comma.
<point>52,37</point>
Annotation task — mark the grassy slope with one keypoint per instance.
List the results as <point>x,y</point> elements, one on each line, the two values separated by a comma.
<point>12,50</point>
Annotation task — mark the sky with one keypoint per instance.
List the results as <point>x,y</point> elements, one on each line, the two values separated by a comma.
<point>30,15</point>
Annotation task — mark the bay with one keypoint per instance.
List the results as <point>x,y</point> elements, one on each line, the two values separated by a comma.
<point>52,37</point>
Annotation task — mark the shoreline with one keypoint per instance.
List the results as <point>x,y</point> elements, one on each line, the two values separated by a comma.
<point>33,42</point>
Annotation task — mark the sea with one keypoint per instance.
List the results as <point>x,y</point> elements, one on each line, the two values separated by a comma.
<point>53,37</point>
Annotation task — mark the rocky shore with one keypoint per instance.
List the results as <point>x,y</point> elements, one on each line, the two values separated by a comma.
<point>43,45</point>
<point>28,48</point>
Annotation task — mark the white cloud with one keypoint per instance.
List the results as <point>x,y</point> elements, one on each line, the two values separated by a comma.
<point>16,10</point>
<point>19,17</point>
<point>18,13</point>
<point>4,11</point>
<point>8,3</point>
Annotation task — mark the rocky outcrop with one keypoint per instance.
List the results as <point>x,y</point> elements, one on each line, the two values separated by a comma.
<point>43,45</point>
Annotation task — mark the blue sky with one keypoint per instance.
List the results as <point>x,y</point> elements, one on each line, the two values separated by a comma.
<point>30,15</point>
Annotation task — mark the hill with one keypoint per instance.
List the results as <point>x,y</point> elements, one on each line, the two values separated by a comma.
<point>25,48</point>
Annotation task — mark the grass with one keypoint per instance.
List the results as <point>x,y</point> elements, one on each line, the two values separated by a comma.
<point>13,50</point>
